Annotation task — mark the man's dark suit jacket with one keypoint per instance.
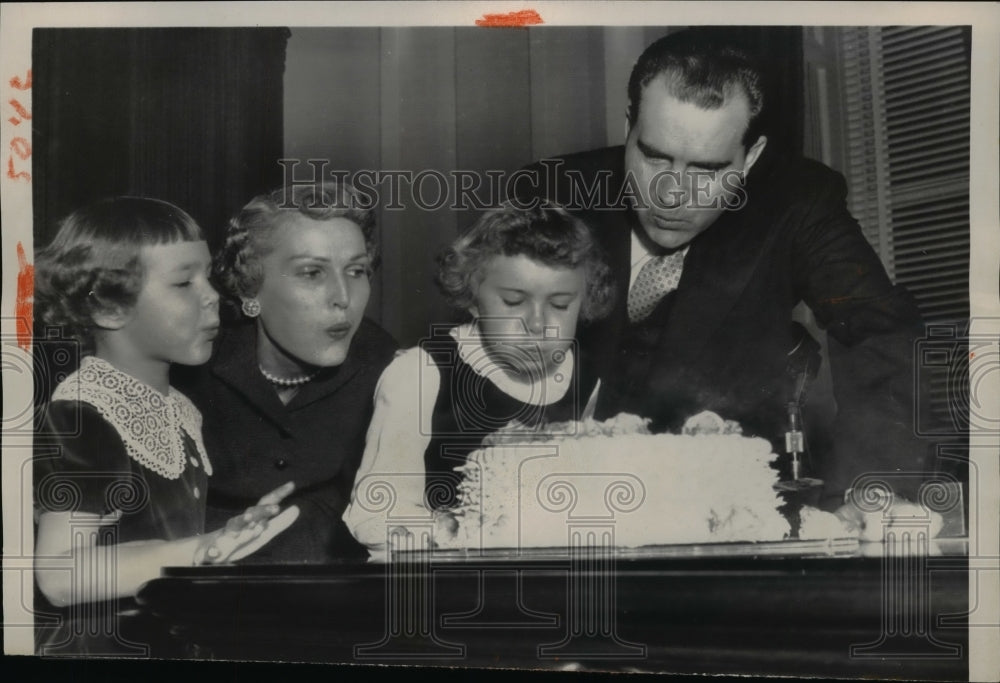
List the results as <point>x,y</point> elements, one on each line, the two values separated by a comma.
<point>721,341</point>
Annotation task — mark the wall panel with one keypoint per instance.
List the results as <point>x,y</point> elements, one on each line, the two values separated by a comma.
<point>418,124</point>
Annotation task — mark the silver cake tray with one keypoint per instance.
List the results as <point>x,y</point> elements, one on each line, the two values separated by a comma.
<point>789,548</point>
<point>837,547</point>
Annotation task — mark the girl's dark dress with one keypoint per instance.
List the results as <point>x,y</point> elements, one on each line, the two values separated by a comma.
<point>111,445</point>
<point>434,406</point>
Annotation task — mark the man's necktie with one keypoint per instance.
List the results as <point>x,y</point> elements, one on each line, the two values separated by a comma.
<point>658,277</point>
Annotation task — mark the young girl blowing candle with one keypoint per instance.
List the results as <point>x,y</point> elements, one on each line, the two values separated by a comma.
<point>526,276</point>
<point>122,489</point>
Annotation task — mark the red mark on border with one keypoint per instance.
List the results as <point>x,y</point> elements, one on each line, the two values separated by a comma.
<point>21,147</point>
<point>24,303</point>
<point>972,355</point>
<point>17,84</point>
<point>21,111</point>
<point>14,175</point>
<point>526,17</point>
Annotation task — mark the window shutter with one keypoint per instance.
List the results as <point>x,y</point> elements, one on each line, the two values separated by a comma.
<point>906,93</point>
<point>867,149</point>
<point>926,77</point>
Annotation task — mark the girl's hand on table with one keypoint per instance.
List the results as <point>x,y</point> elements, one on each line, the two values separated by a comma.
<point>245,534</point>
<point>445,528</point>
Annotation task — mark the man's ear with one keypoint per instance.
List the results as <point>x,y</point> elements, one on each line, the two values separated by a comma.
<point>111,318</point>
<point>628,124</point>
<point>754,153</point>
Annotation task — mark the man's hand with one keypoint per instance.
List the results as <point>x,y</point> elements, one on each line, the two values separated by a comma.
<point>869,525</point>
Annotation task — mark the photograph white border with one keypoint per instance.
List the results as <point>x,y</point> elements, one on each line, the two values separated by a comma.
<point>18,20</point>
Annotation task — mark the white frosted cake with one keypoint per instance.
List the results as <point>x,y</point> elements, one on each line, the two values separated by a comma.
<point>614,483</point>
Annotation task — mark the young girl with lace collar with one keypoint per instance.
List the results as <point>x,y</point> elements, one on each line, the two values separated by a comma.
<point>526,276</point>
<point>121,470</point>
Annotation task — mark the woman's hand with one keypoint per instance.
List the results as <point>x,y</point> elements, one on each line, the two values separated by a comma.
<point>245,534</point>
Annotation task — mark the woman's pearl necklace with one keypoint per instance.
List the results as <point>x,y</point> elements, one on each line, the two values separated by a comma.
<point>282,382</point>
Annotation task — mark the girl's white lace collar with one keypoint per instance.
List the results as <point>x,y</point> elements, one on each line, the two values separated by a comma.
<point>547,391</point>
<point>150,424</point>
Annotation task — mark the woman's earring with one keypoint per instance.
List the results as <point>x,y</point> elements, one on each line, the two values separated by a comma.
<point>251,308</point>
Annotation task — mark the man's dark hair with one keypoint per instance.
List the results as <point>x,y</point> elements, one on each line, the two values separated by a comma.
<point>705,66</point>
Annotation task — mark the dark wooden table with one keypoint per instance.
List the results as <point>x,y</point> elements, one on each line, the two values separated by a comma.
<point>782,609</point>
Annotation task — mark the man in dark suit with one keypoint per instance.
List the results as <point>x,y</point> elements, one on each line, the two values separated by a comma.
<point>715,237</point>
